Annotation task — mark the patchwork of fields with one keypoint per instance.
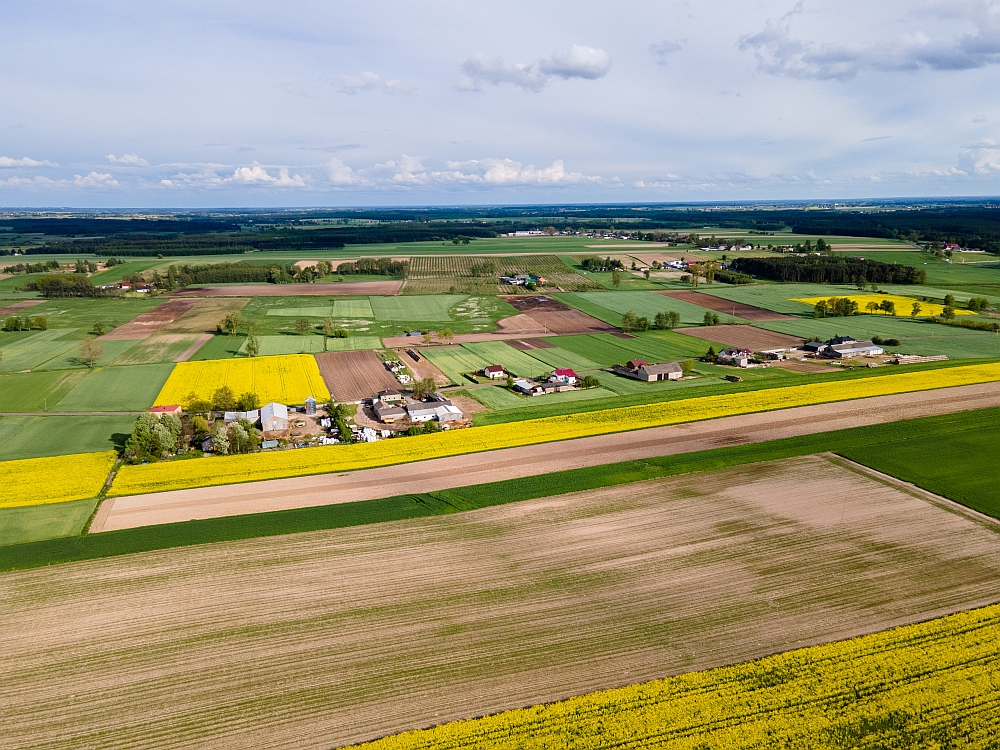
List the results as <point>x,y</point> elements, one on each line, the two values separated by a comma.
<point>500,608</point>
<point>234,469</point>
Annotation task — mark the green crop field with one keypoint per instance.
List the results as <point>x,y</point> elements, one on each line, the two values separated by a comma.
<point>311,344</point>
<point>950,465</point>
<point>131,267</point>
<point>481,275</point>
<point>513,361</point>
<point>129,388</point>
<point>557,357</point>
<point>84,313</point>
<point>429,308</point>
<point>646,304</point>
<point>607,349</point>
<point>36,391</point>
<point>220,347</point>
<point>36,522</point>
<point>160,347</point>
<point>455,361</point>
<point>33,437</point>
<point>341,308</point>
<point>31,352</point>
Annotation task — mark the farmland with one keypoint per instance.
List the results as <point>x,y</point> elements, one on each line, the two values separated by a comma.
<point>229,469</point>
<point>743,337</point>
<point>352,376</point>
<point>608,350</point>
<point>34,436</point>
<point>117,389</point>
<point>35,481</point>
<point>903,304</point>
<point>275,345</point>
<point>289,379</point>
<point>30,523</point>
<point>480,275</point>
<point>795,699</point>
<point>520,364</point>
<point>34,391</point>
<point>646,304</point>
<point>455,361</point>
<point>500,607</point>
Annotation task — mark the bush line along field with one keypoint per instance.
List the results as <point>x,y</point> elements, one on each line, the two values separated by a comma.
<point>948,429</point>
<point>915,686</point>
<point>132,480</point>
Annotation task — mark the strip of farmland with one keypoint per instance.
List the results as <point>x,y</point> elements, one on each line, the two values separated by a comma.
<point>292,290</point>
<point>352,376</point>
<point>736,309</point>
<point>323,638</point>
<point>513,463</point>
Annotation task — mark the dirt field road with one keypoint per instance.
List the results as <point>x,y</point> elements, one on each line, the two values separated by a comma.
<point>318,639</point>
<point>511,463</point>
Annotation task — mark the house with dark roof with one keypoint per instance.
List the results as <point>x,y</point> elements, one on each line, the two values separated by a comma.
<point>494,372</point>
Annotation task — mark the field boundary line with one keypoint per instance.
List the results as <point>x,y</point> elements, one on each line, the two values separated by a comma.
<point>938,500</point>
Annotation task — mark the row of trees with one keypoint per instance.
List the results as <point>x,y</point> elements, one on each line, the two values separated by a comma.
<point>26,323</point>
<point>632,323</point>
<point>375,267</point>
<point>830,270</point>
<point>224,399</point>
<point>65,285</point>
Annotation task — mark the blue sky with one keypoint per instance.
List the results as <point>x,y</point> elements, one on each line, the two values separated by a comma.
<point>319,103</point>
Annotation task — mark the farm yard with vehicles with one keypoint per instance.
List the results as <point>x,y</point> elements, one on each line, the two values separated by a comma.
<point>484,402</point>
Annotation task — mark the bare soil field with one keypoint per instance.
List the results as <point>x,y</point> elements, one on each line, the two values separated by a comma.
<point>193,349</point>
<point>513,463</point>
<point>150,322</point>
<point>352,376</point>
<point>736,309</point>
<point>18,306</point>
<point>318,639</point>
<point>799,365</point>
<point>526,345</point>
<point>205,315</point>
<point>346,288</point>
<point>423,368</point>
<point>743,337</point>
<point>570,321</point>
<point>531,302</point>
<point>522,323</point>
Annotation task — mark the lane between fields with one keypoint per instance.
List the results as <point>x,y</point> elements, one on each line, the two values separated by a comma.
<point>514,463</point>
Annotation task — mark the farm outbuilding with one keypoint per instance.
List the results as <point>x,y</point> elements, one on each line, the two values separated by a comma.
<point>494,372</point>
<point>274,417</point>
<point>388,413</point>
<point>159,411</point>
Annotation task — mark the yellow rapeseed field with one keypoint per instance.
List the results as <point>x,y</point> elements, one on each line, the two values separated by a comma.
<point>904,305</point>
<point>931,685</point>
<point>289,379</point>
<point>38,481</point>
<point>158,477</point>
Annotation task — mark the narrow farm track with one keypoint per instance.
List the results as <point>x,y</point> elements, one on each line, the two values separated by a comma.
<point>512,463</point>
<point>318,639</point>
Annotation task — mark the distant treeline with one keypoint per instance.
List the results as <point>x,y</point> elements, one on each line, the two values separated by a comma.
<point>65,285</point>
<point>215,243</point>
<point>375,267</point>
<point>829,270</point>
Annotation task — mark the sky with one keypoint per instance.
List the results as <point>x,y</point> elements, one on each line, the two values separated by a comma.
<point>227,104</point>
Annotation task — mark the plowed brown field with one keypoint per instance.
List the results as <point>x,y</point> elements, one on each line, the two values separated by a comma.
<point>352,376</point>
<point>743,337</point>
<point>18,306</point>
<point>150,322</point>
<point>736,309</point>
<point>318,639</point>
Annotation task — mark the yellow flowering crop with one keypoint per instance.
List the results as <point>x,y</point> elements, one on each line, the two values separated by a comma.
<point>290,379</point>
<point>38,481</point>
<point>904,305</point>
<point>930,685</point>
<point>158,477</point>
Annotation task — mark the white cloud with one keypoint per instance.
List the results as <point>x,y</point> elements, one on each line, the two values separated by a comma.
<point>341,174</point>
<point>28,181</point>
<point>95,179</point>
<point>508,172</point>
<point>662,50</point>
<point>980,158</point>
<point>25,161</point>
<point>127,160</point>
<point>252,175</point>
<point>578,62</point>
<point>779,53</point>
<point>372,82</point>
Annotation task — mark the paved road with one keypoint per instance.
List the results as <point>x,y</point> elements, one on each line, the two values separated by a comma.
<point>513,463</point>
